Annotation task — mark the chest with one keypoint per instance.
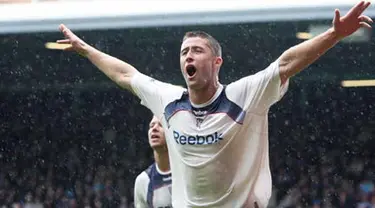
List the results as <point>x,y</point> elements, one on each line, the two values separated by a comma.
<point>199,137</point>
<point>159,191</point>
<point>197,133</point>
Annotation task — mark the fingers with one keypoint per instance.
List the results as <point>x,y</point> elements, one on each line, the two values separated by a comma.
<point>364,18</point>
<point>72,42</point>
<point>365,6</point>
<point>62,27</point>
<point>356,10</point>
<point>63,41</point>
<point>362,6</point>
<point>359,8</point>
<point>364,21</point>
<point>359,4</point>
<point>365,24</point>
<point>67,33</point>
<point>336,19</point>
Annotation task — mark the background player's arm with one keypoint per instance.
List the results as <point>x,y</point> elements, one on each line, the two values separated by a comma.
<point>140,191</point>
<point>118,71</point>
<point>300,56</point>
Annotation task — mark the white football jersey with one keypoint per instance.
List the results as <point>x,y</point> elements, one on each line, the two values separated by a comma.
<point>152,188</point>
<point>218,150</point>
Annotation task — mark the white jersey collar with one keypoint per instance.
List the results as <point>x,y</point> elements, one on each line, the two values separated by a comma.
<point>161,172</point>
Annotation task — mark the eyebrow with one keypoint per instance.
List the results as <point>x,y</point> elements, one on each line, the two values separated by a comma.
<point>184,49</point>
<point>194,47</point>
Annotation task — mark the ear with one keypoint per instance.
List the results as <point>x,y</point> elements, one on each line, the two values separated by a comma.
<point>218,61</point>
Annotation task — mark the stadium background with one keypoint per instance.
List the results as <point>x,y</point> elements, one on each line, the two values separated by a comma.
<point>71,138</point>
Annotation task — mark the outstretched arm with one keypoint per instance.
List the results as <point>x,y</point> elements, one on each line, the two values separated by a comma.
<point>118,71</point>
<point>302,55</point>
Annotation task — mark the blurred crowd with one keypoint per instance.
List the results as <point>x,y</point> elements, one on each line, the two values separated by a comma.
<point>322,156</point>
<point>57,153</point>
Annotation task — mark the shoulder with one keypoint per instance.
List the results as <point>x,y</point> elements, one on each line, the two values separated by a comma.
<point>142,178</point>
<point>142,80</point>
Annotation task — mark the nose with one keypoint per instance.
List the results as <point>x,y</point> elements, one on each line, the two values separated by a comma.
<point>155,128</point>
<point>189,57</point>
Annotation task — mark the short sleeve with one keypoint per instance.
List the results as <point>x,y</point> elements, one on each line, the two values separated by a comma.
<point>258,92</point>
<point>140,191</point>
<point>154,94</point>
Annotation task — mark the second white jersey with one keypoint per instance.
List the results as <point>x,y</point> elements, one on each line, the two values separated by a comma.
<point>218,150</point>
<point>152,188</point>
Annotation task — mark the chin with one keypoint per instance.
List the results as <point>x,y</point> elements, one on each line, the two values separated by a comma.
<point>158,146</point>
<point>194,85</point>
<point>155,145</point>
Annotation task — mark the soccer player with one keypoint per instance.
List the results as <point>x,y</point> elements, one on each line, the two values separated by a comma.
<point>217,135</point>
<point>153,186</point>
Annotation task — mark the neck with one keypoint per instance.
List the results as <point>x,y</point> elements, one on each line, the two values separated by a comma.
<point>162,160</point>
<point>203,95</point>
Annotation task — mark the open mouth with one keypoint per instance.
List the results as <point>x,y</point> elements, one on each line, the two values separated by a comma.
<point>190,70</point>
<point>154,137</point>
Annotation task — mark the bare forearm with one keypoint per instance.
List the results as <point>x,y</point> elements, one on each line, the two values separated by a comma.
<point>118,71</point>
<point>302,55</point>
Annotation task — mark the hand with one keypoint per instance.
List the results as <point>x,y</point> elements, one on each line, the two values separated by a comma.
<point>352,21</point>
<point>76,44</point>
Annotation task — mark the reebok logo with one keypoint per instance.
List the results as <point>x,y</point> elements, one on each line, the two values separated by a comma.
<point>197,139</point>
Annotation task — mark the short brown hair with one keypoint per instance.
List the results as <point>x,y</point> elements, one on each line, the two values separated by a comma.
<point>212,42</point>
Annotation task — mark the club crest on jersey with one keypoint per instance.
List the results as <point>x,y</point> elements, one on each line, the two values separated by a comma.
<point>198,122</point>
<point>199,116</point>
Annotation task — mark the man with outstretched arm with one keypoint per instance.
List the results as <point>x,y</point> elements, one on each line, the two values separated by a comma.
<point>217,135</point>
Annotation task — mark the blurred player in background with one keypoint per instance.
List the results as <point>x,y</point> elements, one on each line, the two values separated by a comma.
<point>217,135</point>
<point>152,187</point>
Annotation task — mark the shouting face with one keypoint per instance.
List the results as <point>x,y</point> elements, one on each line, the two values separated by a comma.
<point>199,65</point>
